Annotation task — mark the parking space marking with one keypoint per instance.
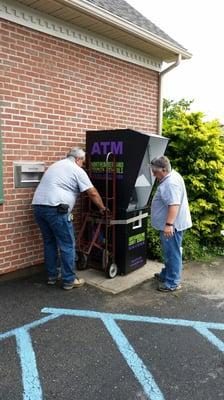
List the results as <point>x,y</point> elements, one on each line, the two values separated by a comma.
<point>29,326</point>
<point>211,337</point>
<point>139,369</point>
<point>201,327</point>
<point>31,383</point>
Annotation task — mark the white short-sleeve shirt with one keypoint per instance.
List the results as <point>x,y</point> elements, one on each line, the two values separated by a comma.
<point>61,183</point>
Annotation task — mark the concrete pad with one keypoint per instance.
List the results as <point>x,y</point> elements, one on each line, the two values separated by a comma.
<point>120,283</point>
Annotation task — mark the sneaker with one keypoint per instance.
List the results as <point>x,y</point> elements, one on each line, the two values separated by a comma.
<point>163,288</point>
<point>77,283</point>
<point>158,277</point>
<point>51,281</point>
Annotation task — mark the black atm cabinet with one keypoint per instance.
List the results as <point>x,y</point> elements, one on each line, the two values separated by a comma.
<point>131,242</point>
<point>133,152</point>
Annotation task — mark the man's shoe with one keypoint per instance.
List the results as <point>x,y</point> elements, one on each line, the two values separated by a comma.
<point>158,277</point>
<point>163,288</point>
<point>51,281</point>
<point>77,283</point>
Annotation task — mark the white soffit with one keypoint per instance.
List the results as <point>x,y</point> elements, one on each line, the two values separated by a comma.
<point>16,12</point>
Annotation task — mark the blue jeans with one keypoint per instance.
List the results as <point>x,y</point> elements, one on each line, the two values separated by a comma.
<point>172,254</point>
<point>58,233</point>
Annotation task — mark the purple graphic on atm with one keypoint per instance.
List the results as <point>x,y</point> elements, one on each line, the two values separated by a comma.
<point>105,147</point>
<point>99,168</point>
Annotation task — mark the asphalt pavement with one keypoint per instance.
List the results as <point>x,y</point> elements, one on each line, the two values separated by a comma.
<point>86,344</point>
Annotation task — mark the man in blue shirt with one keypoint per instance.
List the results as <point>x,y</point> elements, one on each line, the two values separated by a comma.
<point>53,203</point>
<point>170,215</point>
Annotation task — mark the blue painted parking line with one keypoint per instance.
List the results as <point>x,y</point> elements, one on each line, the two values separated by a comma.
<point>30,377</point>
<point>29,326</point>
<point>211,337</point>
<point>140,371</point>
<point>31,383</point>
<point>135,318</point>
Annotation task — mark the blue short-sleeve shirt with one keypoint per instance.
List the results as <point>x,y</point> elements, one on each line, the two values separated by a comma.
<point>171,191</point>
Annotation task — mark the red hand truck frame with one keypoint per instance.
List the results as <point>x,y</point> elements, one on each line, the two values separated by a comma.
<point>87,240</point>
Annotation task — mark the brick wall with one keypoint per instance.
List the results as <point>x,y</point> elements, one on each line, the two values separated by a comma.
<point>53,91</point>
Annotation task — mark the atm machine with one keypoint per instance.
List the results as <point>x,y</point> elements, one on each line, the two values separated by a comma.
<point>129,152</point>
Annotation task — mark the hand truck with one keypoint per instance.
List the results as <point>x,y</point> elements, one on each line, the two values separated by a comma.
<point>96,239</point>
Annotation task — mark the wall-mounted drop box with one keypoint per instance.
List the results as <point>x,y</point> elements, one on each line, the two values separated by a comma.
<point>27,173</point>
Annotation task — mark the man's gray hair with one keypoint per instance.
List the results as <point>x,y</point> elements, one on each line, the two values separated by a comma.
<point>162,162</point>
<point>76,152</point>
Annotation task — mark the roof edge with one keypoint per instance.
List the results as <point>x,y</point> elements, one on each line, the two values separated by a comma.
<point>105,15</point>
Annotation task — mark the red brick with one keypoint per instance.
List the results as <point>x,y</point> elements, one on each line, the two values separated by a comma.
<point>53,92</point>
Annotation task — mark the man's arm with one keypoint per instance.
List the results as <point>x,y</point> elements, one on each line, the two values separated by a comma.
<point>96,198</point>
<point>172,213</point>
<point>170,219</point>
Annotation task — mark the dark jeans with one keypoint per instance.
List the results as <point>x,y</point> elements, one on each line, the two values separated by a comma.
<point>58,233</point>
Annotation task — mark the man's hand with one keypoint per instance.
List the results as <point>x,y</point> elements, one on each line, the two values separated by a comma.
<point>104,210</point>
<point>168,231</point>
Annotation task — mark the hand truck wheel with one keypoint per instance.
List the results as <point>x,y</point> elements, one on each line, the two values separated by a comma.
<point>111,270</point>
<point>81,261</point>
<point>108,265</point>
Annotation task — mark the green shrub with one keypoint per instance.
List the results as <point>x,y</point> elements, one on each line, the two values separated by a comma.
<point>154,251</point>
<point>192,248</point>
<point>196,150</point>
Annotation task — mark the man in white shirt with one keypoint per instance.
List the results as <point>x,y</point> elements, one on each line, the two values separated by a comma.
<point>170,215</point>
<point>53,202</point>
